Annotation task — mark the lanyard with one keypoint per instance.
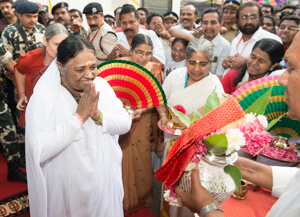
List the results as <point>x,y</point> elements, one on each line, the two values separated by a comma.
<point>239,44</point>
<point>88,38</point>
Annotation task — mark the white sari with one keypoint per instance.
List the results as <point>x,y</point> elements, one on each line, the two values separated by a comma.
<point>191,97</point>
<point>73,171</point>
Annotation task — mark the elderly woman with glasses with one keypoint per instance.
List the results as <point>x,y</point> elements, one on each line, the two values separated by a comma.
<point>143,136</point>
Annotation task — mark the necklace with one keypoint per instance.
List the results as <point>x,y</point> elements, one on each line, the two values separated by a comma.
<point>76,97</point>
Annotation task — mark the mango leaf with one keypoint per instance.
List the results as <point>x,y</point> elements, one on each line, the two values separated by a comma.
<point>182,117</point>
<point>212,101</point>
<point>197,115</point>
<point>259,106</point>
<point>216,144</point>
<point>235,174</point>
<point>274,121</point>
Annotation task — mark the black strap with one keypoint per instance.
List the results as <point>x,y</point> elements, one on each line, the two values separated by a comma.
<point>22,33</point>
<point>100,42</point>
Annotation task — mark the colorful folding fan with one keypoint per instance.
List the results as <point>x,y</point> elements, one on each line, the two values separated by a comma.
<point>134,85</point>
<point>277,106</point>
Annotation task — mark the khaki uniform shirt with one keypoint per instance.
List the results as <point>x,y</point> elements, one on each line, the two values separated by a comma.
<point>231,33</point>
<point>108,40</point>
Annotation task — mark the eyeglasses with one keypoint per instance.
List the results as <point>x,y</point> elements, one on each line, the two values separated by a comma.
<point>251,17</point>
<point>141,53</point>
<point>289,28</point>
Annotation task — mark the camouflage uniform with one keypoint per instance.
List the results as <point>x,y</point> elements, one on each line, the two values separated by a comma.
<point>14,42</point>
<point>7,127</point>
<point>80,33</point>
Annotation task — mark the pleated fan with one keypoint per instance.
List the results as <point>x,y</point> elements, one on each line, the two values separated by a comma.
<point>277,106</point>
<point>133,84</point>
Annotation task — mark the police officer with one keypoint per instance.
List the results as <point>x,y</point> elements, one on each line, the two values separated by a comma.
<point>100,33</point>
<point>8,134</point>
<point>61,15</point>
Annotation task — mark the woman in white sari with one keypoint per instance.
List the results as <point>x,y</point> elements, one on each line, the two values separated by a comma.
<point>72,153</point>
<point>190,87</point>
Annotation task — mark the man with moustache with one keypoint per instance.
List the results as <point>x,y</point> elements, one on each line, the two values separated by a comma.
<point>188,18</point>
<point>283,181</point>
<point>249,19</point>
<point>100,33</point>
<point>211,24</point>
<point>61,15</point>
<point>131,27</point>
<point>9,16</point>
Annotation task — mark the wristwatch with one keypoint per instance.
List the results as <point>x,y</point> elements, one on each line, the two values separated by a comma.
<point>210,207</point>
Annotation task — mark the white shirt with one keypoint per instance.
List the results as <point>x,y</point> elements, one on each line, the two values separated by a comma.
<point>179,26</point>
<point>73,171</point>
<point>286,185</point>
<point>245,48</point>
<point>157,45</point>
<point>221,52</point>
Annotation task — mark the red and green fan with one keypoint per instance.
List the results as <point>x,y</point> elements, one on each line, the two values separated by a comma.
<point>276,107</point>
<point>134,85</point>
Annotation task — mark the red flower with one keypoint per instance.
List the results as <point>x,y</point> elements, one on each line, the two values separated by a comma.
<point>180,108</point>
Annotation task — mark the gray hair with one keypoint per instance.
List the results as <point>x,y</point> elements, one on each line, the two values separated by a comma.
<point>55,29</point>
<point>202,45</point>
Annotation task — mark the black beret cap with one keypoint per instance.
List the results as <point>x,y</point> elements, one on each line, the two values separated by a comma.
<point>93,8</point>
<point>16,3</point>
<point>27,8</point>
<point>59,5</point>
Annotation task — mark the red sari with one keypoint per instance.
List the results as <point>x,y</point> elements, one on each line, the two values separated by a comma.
<point>29,64</point>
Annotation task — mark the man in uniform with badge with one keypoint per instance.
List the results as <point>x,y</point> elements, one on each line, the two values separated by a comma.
<point>100,33</point>
<point>61,15</point>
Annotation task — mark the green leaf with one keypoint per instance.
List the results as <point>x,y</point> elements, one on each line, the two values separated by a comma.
<point>216,144</point>
<point>197,115</point>
<point>274,121</point>
<point>259,106</point>
<point>235,174</point>
<point>212,101</point>
<point>182,117</point>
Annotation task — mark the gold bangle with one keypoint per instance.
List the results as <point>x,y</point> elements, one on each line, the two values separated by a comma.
<point>162,114</point>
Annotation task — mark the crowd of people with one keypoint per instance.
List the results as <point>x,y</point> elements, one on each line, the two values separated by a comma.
<point>81,145</point>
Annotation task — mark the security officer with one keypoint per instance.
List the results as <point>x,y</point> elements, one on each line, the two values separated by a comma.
<point>61,15</point>
<point>18,38</point>
<point>100,33</point>
<point>26,34</point>
<point>8,134</point>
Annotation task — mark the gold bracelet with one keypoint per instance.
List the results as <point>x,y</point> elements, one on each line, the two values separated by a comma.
<point>162,114</point>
